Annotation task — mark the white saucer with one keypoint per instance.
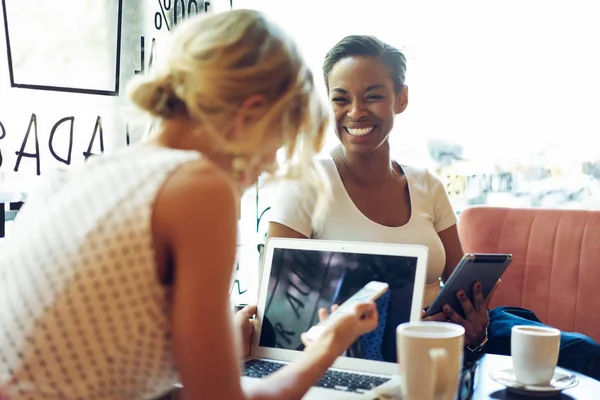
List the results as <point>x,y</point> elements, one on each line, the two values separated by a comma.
<point>560,381</point>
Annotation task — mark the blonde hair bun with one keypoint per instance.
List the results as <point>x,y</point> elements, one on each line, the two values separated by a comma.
<point>217,61</point>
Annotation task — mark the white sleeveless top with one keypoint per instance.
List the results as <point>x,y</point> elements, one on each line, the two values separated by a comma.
<point>82,312</point>
<point>431,213</point>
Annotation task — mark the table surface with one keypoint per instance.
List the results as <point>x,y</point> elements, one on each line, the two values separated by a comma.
<point>486,388</point>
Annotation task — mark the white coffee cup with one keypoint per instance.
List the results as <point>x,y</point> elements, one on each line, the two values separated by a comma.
<point>534,352</point>
<point>430,355</point>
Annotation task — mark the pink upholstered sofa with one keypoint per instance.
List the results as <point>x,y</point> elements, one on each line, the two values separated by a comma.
<point>556,261</point>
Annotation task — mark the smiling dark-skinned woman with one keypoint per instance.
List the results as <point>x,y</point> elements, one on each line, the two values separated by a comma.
<point>378,199</point>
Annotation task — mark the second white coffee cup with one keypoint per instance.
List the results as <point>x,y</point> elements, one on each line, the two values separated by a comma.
<point>534,352</point>
<point>430,355</point>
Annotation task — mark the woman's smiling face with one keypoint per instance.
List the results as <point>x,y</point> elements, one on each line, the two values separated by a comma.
<point>364,102</point>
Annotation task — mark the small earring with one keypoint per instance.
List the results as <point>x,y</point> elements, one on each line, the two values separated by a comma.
<point>238,168</point>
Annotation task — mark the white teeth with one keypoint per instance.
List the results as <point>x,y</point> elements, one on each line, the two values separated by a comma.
<point>359,132</point>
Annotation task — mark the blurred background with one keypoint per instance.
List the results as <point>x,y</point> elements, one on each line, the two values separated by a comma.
<point>503,96</point>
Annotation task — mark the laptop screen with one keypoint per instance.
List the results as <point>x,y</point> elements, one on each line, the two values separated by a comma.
<point>302,281</point>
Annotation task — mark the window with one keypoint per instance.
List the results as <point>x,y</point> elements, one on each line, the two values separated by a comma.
<point>503,102</point>
<point>503,95</point>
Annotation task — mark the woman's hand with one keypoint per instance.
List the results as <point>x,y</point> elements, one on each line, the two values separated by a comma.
<point>439,317</point>
<point>344,331</point>
<point>245,325</point>
<point>322,313</point>
<point>476,315</point>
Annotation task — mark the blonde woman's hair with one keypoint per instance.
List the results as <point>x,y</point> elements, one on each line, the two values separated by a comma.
<point>216,62</point>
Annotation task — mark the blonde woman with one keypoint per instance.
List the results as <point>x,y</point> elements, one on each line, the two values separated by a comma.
<point>114,280</point>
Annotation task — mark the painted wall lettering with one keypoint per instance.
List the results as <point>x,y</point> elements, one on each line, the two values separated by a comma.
<point>153,57</point>
<point>100,133</point>
<point>236,283</point>
<point>2,136</point>
<point>71,121</point>
<point>64,126</point>
<point>21,153</point>
<point>180,10</point>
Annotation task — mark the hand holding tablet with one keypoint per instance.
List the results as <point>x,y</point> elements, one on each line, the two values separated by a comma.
<point>483,268</point>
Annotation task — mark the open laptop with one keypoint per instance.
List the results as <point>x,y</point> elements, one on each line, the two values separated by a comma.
<point>300,276</point>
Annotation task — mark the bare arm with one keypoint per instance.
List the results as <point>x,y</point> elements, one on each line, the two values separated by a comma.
<point>196,212</point>
<point>453,248</point>
<point>278,230</point>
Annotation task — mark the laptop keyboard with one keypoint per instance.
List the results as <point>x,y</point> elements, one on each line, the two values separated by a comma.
<point>338,380</point>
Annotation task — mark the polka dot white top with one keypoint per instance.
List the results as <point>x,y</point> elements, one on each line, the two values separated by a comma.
<point>82,312</point>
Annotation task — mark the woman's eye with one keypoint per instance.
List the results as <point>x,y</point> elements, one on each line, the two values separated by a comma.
<point>375,97</point>
<point>339,100</point>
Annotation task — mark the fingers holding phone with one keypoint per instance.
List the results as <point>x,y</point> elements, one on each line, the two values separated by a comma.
<point>357,320</point>
<point>362,299</point>
<point>323,313</point>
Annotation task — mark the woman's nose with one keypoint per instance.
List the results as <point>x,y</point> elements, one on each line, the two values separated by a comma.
<point>357,110</point>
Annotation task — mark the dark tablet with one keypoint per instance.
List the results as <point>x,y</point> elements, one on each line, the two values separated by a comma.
<point>484,268</point>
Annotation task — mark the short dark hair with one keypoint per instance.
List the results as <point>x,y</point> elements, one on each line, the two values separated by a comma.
<point>364,45</point>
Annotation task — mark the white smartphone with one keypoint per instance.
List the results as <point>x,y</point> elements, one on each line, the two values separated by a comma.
<point>370,292</point>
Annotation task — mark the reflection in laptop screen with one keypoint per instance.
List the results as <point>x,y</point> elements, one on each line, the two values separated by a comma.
<point>302,281</point>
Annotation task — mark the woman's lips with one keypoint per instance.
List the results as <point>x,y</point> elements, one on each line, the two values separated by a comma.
<point>359,131</point>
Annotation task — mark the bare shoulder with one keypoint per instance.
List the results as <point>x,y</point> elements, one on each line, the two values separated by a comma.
<point>198,178</point>
<point>195,191</point>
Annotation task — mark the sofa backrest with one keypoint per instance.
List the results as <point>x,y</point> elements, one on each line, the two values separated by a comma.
<point>556,261</point>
